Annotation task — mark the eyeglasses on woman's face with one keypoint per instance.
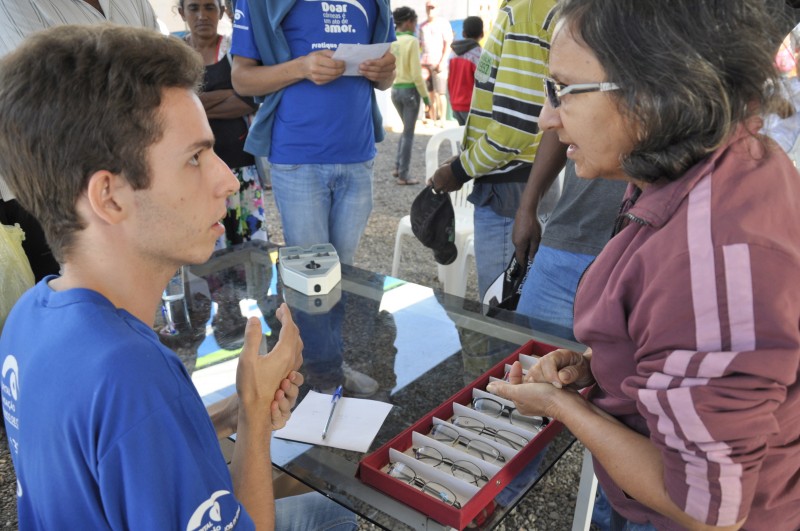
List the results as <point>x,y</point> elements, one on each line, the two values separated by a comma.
<point>406,474</point>
<point>461,469</point>
<point>555,90</point>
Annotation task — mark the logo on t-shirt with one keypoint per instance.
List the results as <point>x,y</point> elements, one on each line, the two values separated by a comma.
<point>211,514</point>
<point>9,390</point>
<point>240,21</point>
<point>337,15</point>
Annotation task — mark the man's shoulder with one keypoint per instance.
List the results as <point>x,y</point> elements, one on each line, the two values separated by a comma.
<point>534,14</point>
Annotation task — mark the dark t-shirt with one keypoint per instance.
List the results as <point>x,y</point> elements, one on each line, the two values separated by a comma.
<point>230,133</point>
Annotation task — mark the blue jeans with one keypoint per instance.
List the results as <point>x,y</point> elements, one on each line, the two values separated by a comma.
<point>521,480</point>
<point>548,293</point>
<point>312,511</point>
<point>324,203</point>
<point>601,514</point>
<point>620,523</point>
<point>493,246</point>
<point>406,101</point>
<point>496,205</point>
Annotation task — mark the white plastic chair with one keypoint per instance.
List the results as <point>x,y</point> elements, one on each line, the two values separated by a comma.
<point>454,275</point>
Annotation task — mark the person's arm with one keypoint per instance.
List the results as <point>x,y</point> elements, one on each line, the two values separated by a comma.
<point>447,40</point>
<point>631,459</point>
<point>251,78</point>
<point>225,103</point>
<point>527,233</point>
<point>258,379</point>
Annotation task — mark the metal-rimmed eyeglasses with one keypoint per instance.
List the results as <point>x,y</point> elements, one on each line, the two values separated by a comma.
<point>508,438</point>
<point>449,435</point>
<point>461,469</point>
<point>406,474</point>
<point>555,90</point>
<point>496,409</point>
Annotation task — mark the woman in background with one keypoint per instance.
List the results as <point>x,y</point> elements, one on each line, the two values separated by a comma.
<point>691,311</point>
<point>228,115</point>
<point>408,88</point>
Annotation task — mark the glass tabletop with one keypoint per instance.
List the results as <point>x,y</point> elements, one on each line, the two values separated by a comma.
<point>420,345</point>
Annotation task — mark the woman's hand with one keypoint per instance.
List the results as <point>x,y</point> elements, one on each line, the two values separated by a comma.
<point>549,385</point>
<point>563,368</point>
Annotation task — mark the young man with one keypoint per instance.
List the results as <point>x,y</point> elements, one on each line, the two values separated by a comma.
<point>462,64</point>
<point>105,427</point>
<point>20,18</point>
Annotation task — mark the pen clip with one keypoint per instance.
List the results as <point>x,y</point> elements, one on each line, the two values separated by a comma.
<point>337,394</point>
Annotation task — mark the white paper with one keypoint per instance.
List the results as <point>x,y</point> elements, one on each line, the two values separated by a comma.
<point>355,54</point>
<point>354,425</point>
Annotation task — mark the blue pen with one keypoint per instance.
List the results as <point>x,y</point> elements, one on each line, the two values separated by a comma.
<point>334,400</point>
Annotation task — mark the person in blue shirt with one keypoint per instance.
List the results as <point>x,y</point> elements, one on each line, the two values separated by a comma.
<point>113,154</point>
<point>318,129</point>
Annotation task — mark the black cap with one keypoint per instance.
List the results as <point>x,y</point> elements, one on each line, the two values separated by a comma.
<point>433,222</point>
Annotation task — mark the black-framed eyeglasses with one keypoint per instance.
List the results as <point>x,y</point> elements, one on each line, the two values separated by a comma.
<point>496,409</point>
<point>485,451</point>
<point>460,469</point>
<point>509,438</point>
<point>555,90</point>
<point>406,474</point>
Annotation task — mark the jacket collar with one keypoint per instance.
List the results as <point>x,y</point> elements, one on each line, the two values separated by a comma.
<point>658,202</point>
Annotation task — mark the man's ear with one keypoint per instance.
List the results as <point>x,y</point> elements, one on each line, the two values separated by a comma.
<point>110,196</point>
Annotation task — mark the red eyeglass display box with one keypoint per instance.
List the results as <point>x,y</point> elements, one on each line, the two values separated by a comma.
<point>371,468</point>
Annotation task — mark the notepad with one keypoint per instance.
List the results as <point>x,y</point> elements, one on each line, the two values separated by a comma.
<point>354,425</point>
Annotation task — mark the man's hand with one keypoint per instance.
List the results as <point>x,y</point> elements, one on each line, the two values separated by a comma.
<point>380,71</point>
<point>285,399</point>
<point>320,68</point>
<point>443,179</point>
<point>259,378</point>
<point>526,235</point>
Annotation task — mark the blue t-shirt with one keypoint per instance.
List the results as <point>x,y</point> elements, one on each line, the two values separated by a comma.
<point>105,427</point>
<point>327,124</point>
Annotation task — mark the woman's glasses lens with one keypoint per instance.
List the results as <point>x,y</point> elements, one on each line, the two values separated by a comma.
<point>493,408</point>
<point>551,92</point>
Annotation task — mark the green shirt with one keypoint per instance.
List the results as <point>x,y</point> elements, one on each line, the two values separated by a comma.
<point>408,71</point>
<point>502,130</point>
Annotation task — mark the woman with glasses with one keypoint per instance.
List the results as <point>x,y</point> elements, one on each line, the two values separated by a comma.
<point>691,311</point>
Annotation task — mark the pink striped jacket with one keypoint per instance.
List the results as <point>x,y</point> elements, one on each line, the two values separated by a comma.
<point>693,315</point>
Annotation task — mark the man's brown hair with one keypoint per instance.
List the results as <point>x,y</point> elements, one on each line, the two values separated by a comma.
<point>79,99</point>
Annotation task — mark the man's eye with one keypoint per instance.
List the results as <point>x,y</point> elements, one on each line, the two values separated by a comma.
<point>195,160</point>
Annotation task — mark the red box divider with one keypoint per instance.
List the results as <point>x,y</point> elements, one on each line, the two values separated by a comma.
<point>369,469</point>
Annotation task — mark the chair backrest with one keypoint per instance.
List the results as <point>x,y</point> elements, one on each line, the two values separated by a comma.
<point>453,135</point>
